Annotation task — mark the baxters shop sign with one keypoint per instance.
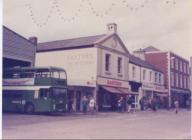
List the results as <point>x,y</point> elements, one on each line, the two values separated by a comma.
<point>112,82</point>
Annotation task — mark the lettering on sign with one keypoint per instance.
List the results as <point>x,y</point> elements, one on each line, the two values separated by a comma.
<point>114,83</point>
<point>111,82</point>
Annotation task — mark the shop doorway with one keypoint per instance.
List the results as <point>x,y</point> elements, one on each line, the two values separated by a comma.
<point>78,101</point>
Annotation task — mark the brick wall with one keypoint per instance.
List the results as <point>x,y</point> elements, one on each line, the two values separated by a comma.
<point>160,61</point>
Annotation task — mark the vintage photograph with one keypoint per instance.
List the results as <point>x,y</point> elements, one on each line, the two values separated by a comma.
<point>93,69</point>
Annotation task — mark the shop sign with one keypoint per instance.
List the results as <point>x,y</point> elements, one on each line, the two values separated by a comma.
<point>112,82</point>
<point>153,87</point>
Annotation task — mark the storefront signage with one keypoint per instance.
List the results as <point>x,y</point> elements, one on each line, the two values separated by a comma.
<point>112,82</point>
<point>153,87</point>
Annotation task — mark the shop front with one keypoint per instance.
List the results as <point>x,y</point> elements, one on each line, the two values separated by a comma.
<point>76,94</point>
<point>151,91</point>
<point>180,95</point>
<point>110,91</point>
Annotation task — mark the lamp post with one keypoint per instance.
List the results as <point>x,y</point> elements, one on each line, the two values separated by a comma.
<point>170,59</point>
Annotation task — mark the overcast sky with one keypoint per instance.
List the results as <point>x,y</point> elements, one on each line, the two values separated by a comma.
<point>165,24</point>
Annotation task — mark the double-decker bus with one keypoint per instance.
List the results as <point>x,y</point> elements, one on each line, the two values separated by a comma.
<point>34,89</point>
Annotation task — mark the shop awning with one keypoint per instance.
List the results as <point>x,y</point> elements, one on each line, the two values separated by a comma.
<point>127,91</point>
<point>119,90</point>
<point>112,89</point>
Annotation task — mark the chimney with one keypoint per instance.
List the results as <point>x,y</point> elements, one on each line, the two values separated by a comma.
<point>111,28</point>
<point>33,40</point>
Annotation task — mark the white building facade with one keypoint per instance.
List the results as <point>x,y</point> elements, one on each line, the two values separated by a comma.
<point>147,80</point>
<point>97,66</point>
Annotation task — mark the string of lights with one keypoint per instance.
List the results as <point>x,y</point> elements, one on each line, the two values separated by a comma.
<point>135,7</point>
<point>77,12</point>
<point>34,20</point>
<point>56,5</point>
<point>98,14</point>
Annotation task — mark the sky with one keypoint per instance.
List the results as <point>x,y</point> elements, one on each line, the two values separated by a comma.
<point>164,24</point>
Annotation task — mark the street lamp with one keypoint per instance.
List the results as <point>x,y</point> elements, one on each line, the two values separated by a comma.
<point>170,59</point>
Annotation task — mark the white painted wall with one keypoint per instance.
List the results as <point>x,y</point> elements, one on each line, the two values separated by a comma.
<point>113,71</point>
<point>80,64</point>
<point>137,77</point>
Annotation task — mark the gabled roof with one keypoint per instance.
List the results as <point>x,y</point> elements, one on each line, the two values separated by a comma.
<point>14,35</point>
<point>147,49</point>
<point>137,61</point>
<point>69,43</point>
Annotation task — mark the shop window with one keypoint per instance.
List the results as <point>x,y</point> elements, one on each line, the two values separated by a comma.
<point>107,99</point>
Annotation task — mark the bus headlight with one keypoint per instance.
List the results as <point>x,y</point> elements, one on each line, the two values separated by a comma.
<point>23,102</point>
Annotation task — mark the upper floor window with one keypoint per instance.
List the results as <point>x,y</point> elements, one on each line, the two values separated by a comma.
<point>144,74</point>
<point>176,64</point>
<point>172,63</point>
<point>107,62</point>
<point>172,79</point>
<point>150,75</point>
<point>133,72</point>
<point>184,82</point>
<point>177,79</point>
<point>119,63</point>
<point>155,77</point>
<point>187,69</point>
<point>159,78</point>
<point>181,66</point>
<point>184,67</point>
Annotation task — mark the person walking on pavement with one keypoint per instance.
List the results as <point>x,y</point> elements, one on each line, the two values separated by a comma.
<point>91,105</point>
<point>153,104</point>
<point>84,104</point>
<point>120,104</point>
<point>141,102</point>
<point>129,103</point>
<point>176,103</point>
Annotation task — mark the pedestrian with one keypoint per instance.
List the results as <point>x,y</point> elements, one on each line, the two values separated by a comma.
<point>91,105</point>
<point>84,104</point>
<point>70,105</point>
<point>124,104</point>
<point>176,103</point>
<point>188,105</point>
<point>153,104</point>
<point>129,104</point>
<point>119,104</point>
<point>141,102</point>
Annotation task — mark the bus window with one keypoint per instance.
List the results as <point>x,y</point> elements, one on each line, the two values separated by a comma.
<point>44,93</point>
<point>58,92</point>
<point>63,75</point>
<point>55,74</point>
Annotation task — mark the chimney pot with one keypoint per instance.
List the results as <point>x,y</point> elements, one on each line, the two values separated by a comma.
<point>33,40</point>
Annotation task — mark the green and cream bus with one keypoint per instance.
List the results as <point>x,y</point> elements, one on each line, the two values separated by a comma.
<point>34,89</point>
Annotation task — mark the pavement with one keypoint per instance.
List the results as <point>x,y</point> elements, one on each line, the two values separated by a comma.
<point>162,124</point>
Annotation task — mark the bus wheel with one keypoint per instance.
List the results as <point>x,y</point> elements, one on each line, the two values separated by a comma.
<point>29,108</point>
